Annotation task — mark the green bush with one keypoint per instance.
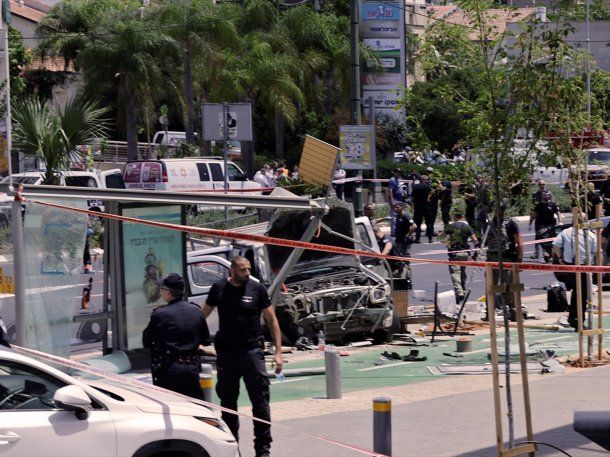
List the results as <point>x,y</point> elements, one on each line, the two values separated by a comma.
<point>454,172</point>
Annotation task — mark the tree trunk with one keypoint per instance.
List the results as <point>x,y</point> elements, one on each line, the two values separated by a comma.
<point>131,122</point>
<point>329,91</point>
<point>187,83</point>
<point>279,134</point>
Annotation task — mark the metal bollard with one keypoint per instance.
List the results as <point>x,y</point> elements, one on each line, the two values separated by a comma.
<point>207,387</point>
<point>382,425</point>
<point>333,374</point>
<point>206,368</point>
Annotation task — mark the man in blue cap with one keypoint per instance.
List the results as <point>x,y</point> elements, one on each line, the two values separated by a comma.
<point>173,335</point>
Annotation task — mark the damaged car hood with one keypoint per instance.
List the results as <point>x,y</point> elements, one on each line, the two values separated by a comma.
<point>291,225</point>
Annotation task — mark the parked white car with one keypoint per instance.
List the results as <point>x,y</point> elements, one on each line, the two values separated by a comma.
<point>44,411</point>
<point>95,179</point>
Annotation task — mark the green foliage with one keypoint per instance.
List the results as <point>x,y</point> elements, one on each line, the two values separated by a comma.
<point>212,217</point>
<point>54,134</point>
<point>599,10</point>
<point>453,172</point>
<point>184,149</point>
<point>19,58</point>
<point>395,134</point>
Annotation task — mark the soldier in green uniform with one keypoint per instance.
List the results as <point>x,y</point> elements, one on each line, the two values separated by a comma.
<point>456,236</point>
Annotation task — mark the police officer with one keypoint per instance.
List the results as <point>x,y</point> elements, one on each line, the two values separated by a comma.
<point>420,200</point>
<point>239,347</point>
<point>173,335</point>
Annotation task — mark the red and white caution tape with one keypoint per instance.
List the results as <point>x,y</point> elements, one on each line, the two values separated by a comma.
<point>140,384</point>
<point>228,234</point>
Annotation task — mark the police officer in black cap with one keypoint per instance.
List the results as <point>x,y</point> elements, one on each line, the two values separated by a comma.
<point>239,347</point>
<point>173,335</point>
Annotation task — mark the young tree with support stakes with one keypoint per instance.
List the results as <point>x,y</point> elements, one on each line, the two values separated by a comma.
<point>527,84</point>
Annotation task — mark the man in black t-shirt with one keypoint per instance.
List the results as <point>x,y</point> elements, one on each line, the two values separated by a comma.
<point>456,236</point>
<point>400,270</point>
<point>239,347</point>
<point>545,216</point>
<point>405,227</point>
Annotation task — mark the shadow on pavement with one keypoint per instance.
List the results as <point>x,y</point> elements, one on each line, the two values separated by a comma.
<point>565,438</point>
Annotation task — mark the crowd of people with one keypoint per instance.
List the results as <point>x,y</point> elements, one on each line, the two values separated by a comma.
<point>268,176</point>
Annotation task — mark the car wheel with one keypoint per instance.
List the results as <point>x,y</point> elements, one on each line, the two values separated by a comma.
<point>386,335</point>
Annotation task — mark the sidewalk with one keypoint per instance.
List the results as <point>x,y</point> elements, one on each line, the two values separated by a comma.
<point>446,416</point>
<point>453,416</point>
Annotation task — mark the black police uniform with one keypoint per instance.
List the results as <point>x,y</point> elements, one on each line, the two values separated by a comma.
<point>239,350</point>
<point>173,335</point>
<point>419,194</point>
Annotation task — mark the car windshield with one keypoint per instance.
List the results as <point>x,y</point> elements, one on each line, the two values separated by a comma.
<point>23,179</point>
<point>599,156</point>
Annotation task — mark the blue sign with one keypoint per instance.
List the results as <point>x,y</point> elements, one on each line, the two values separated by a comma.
<point>372,11</point>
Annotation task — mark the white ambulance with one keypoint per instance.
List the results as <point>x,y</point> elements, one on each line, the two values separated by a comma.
<point>182,175</point>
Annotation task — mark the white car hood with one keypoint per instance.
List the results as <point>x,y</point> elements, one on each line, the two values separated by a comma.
<point>152,401</point>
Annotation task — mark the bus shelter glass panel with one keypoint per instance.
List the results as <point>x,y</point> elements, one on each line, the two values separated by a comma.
<point>54,242</point>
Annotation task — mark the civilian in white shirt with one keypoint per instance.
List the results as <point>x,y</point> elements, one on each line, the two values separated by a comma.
<point>261,176</point>
<point>339,173</point>
<point>563,250</point>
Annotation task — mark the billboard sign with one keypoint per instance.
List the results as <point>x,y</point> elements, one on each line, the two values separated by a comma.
<point>380,11</point>
<point>382,99</point>
<point>357,144</point>
<point>382,30</point>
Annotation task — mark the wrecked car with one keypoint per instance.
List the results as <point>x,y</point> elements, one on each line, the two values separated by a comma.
<point>325,291</point>
<point>334,293</point>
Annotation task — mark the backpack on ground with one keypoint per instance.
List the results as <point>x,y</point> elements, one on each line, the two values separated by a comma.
<point>556,299</point>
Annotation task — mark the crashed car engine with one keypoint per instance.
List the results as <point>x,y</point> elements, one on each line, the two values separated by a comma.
<point>324,291</point>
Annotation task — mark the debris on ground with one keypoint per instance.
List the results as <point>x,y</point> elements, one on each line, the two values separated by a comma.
<point>457,356</point>
<point>413,356</point>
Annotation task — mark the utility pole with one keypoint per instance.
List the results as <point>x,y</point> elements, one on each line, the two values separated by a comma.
<point>355,115</point>
<point>354,20</point>
<point>16,220</point>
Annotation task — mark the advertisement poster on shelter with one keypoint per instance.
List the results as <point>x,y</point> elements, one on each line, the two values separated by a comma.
<point>149,253</point>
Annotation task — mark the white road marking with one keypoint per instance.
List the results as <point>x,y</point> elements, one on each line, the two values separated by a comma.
<point>384,366</point>
<point>286,381</point>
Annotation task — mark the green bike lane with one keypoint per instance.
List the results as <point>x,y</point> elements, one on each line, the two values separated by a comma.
<point>360,372</point>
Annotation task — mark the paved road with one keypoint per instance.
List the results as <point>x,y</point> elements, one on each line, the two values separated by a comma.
<point>425,274</point>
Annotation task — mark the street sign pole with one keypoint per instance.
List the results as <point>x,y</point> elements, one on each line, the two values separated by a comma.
<point>225,140</point>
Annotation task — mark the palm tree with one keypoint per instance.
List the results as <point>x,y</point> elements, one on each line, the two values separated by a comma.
<point>204,36</point>
<point>129,56</point>
<point>53,135</point>
<point>66,28</point>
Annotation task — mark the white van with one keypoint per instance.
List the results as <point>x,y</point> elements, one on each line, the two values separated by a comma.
<point>95,179</point>
<point>179,175</point>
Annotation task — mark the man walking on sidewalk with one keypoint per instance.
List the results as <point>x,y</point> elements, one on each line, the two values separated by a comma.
<point>239,347</point>
<point>456,235</point>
